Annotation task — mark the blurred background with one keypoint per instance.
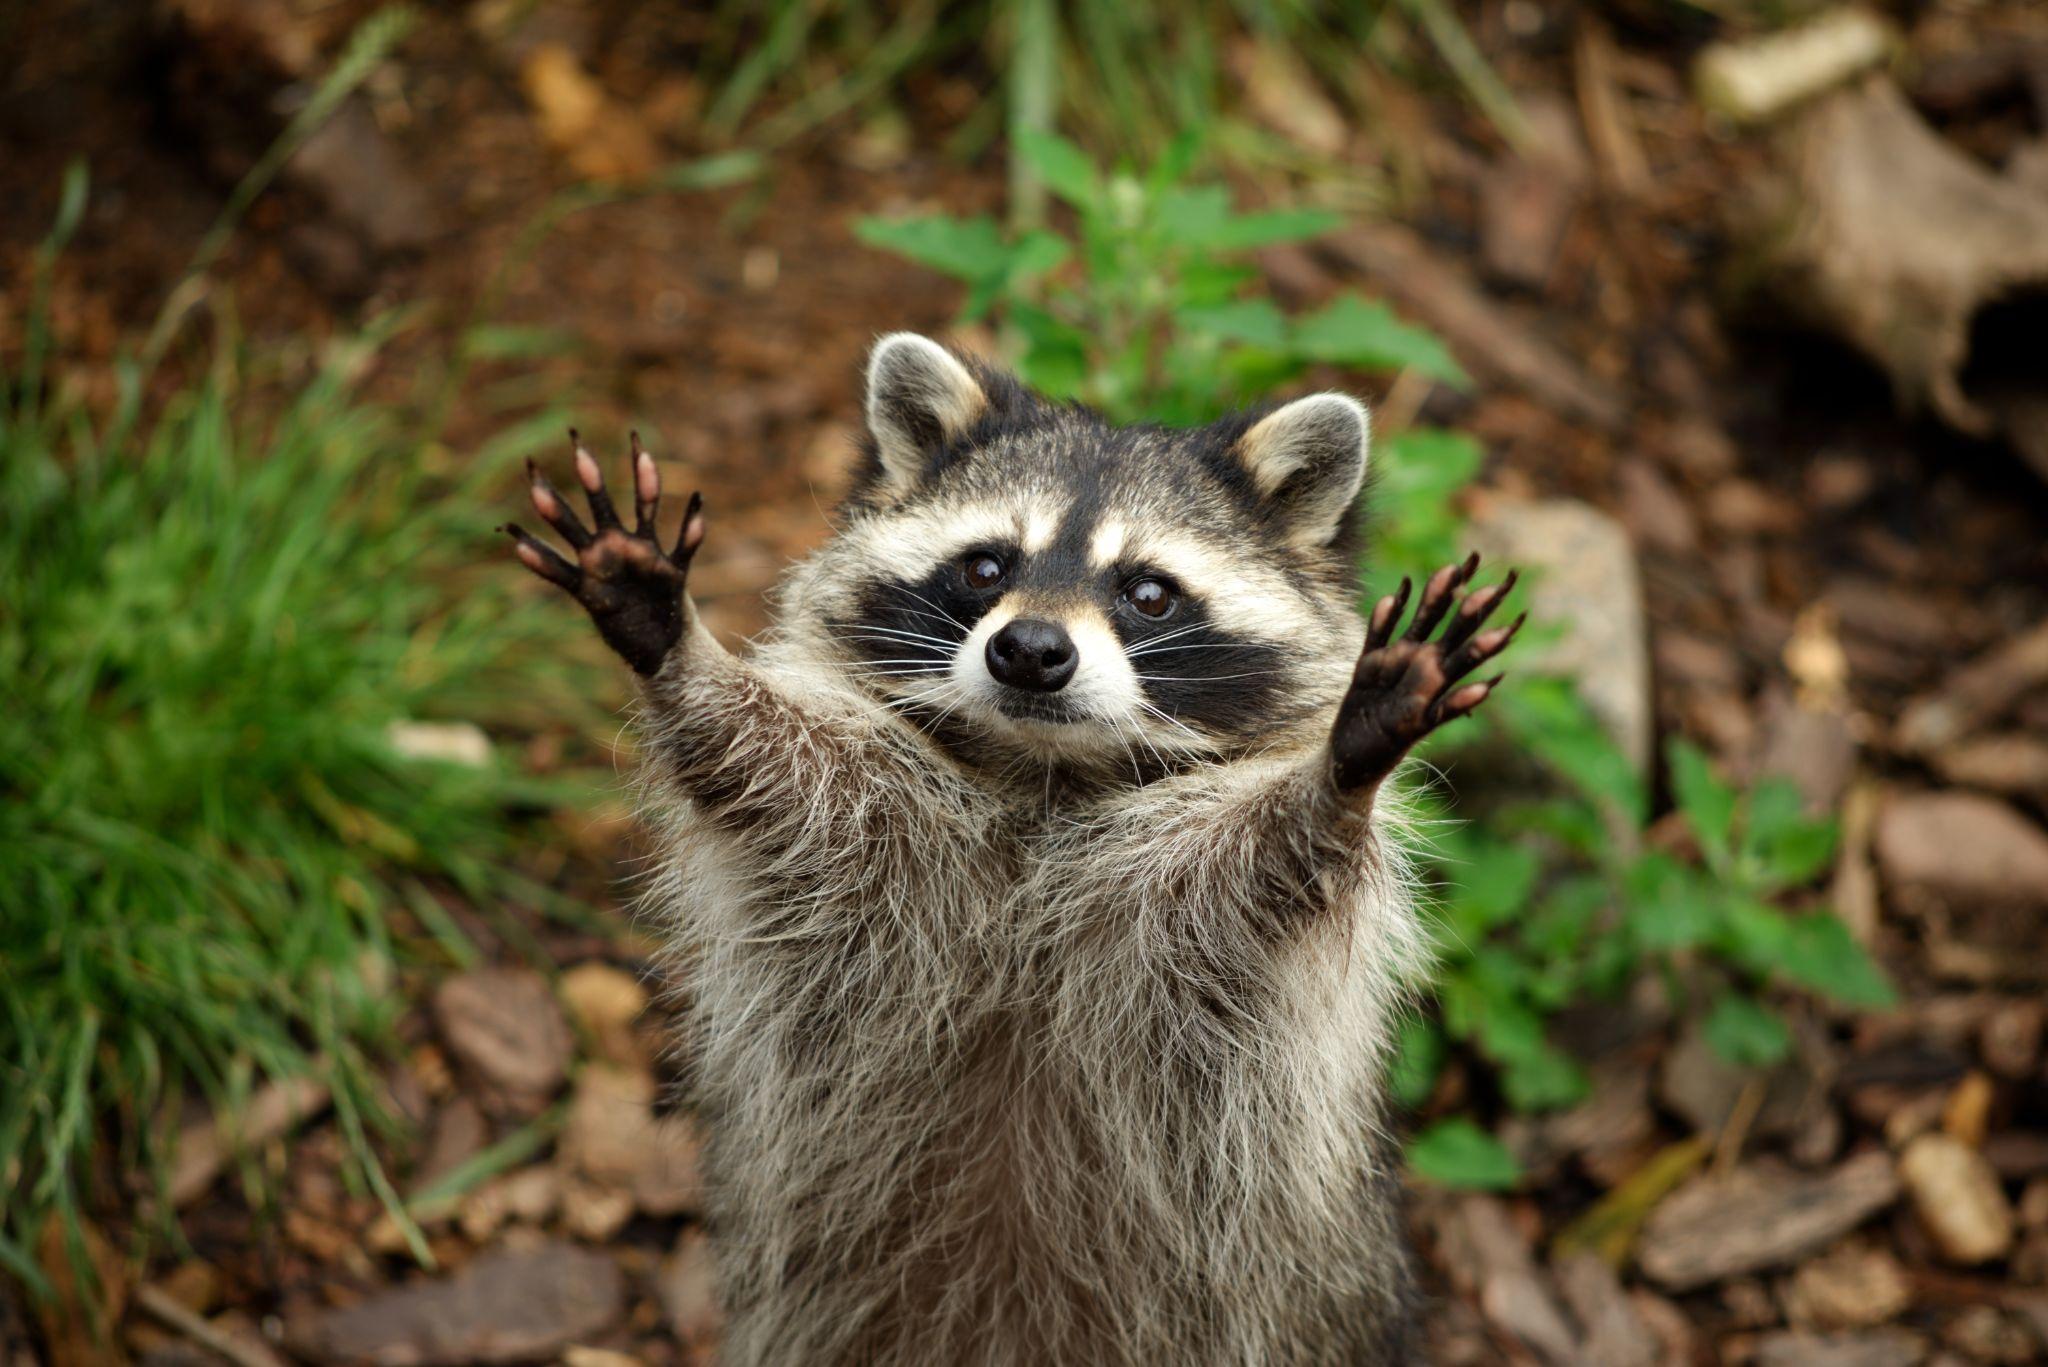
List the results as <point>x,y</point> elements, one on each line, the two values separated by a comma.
<point>326,1033</point>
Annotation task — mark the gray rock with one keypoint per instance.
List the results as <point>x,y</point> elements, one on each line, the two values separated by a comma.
<point>1582,580</point>
<point>504,1307</point>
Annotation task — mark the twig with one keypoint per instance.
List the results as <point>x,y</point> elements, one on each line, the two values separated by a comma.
<point>1609,132</point>
<point>165,1307</point>
<point>1728,1145</point>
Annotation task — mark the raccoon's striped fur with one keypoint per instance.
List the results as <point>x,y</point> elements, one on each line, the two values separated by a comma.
<point>1043,1023</point>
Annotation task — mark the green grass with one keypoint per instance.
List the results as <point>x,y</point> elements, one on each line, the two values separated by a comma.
<point>211,853</point>
<point>1128,78</point>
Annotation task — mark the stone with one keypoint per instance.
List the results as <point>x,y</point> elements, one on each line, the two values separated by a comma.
<point>504,1307</point>
<point>604,1002</point>
<point>1957,1196</point>
<point>1964,847</point>
<point>2009,1041</point>
<point>1759,1217</point>
<point>1582,579</point>
<point>614,1138</point>
<point>504,1025</point>
<point>452,742</point>
<point>1851,1286</point>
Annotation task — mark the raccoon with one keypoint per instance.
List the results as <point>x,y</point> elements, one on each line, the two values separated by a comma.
<point>1033,883</point>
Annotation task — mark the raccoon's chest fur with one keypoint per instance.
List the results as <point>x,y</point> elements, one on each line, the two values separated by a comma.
<point>981,1088</point>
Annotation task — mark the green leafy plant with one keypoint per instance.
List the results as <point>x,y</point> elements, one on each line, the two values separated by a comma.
<point>1148,308</point>
<point>1556,901</point>
<point>216,839</point>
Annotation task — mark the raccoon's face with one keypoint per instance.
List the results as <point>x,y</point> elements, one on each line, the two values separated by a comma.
<point>1022,579</point>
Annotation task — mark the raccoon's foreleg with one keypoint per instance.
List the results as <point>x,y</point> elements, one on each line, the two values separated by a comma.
<point>631,587</point>
<point>721,733</point>
<point>1402,689</point>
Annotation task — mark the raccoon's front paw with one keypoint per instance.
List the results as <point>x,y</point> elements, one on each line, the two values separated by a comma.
<point>1404,689</point>
<point>631,587</point>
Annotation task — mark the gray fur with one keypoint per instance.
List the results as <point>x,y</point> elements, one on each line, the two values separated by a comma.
<point>1021,1052</point>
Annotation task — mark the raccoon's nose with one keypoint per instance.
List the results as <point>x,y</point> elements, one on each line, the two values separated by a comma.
<point>1028,653</point>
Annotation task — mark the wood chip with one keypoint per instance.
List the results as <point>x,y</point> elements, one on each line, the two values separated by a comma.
<point>504,1024</point>
<point>1883,1348</point>
<point>1616,1334</point>
<point>204,1149</point>
<point>1975,694</point>
<point>1757,1218</point>
<point>504,1307</point>
<point>1962,847</point>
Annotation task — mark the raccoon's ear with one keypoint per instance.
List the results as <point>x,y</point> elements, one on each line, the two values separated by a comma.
<point>1307,461</point>
<point>919,398</point>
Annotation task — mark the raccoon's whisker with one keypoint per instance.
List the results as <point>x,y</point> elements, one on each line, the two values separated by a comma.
<point>1174,722</point>
<point>943,614</point>
<point>1163,637</point>
<point>870,631</point>
<point>1195,645</point>
<point>1204,678</point>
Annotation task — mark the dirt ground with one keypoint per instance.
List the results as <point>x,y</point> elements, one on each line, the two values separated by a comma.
<point>1781,508</point>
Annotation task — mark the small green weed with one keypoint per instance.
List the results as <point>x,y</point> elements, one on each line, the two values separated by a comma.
<point>1149,309</point>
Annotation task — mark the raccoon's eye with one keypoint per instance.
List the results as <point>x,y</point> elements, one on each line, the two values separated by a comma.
<point>982,570</point>
<point>1151,597</point>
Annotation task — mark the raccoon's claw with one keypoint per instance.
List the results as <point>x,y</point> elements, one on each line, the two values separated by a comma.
<point>1402,689</point>
<point>632,588</point>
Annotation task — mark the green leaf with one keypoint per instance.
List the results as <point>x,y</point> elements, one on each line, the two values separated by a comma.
<point>518,342</point>
<point>1820,953</point>
<point>1457,1153</point>
<point>1365,333</point>
<point>1257,322</point>
<point>1064,167</point>
<point>1035,253</point>
<point>1708,803</point>
<point>1419,1051</point>
<point>1489,884</point>
<point>1561,922</point>
<point>1788,847</point>
<point>1543,1079</point>
<point>1551,721</point>
<point>706,173</point>
<point>1241,232</point>
<point>1189,216</point>
<point>970,249</point>
<point>1756,936</point>
<point>1669,907</point>
<point>1746,1032</point>
<point>1055,359</point>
